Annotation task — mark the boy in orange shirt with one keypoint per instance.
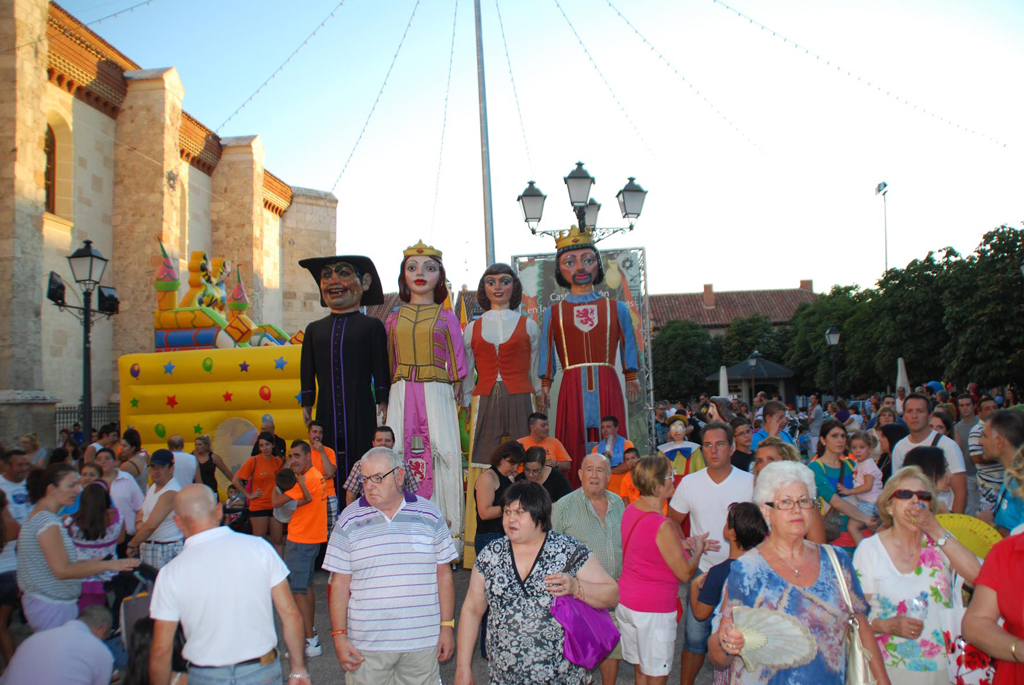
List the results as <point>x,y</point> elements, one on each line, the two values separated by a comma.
<point>628,491</point>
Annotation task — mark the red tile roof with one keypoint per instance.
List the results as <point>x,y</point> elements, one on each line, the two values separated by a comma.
<point>777,305</point>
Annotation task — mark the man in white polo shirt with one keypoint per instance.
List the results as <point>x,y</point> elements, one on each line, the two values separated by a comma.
<point>705,497</point>
<point>221,589</point>
<point>385,534</point>
<point>916,412</point>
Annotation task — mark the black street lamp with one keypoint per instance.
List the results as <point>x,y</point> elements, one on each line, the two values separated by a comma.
<point>752,363</point>
<point>579,183</point>
<point>832,338</point>
<point>87,267</point>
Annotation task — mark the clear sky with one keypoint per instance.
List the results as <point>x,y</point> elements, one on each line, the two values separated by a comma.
<point>789,197</point>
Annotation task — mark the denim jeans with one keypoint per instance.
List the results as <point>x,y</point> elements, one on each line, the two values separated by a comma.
<point>250,674</point>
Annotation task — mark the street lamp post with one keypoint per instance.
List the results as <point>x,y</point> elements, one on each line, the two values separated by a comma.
<point>881,189</point>
<point>87,268</point>
<point>579,183</point>
<point>752,363</point>
<point>832,338</point>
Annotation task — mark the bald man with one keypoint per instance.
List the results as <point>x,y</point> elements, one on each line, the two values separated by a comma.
<point>250,578</point>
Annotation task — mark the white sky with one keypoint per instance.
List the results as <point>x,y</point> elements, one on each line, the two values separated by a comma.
<point>799,204</point>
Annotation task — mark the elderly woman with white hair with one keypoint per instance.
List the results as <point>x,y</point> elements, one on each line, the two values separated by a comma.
<point>789,575</point>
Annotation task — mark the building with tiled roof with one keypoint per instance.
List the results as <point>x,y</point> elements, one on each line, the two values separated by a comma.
<point>715,311</point>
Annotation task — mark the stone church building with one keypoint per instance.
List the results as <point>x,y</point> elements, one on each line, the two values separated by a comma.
<point>93,146</point>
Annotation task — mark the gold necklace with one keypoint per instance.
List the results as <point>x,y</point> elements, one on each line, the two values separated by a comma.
<point>796,571</point>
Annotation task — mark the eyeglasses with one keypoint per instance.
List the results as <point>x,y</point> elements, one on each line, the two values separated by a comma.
<point>787,504</point>
<point>377,480</point>
<point>922,495</point>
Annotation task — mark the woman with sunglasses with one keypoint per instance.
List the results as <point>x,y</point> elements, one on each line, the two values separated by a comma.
<point>906,572</point>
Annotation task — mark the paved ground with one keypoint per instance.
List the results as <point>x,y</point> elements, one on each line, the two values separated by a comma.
<point>325,668</point>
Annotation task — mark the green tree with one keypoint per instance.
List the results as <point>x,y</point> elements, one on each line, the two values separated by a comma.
<point>983,305</point>
<point>746,334</point>
<point>809,355</point>
<point>683,353</point>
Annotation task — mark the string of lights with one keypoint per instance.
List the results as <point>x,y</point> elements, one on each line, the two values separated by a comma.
<point>444,120</point>
<point>282,65</point>
<point>721,115</point>
<point>615,97</point>
<point>515,93</point>
<point>860,79</point>
<point>91,23</point>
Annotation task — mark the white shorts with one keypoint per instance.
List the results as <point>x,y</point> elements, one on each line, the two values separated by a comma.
<point>648,639</point>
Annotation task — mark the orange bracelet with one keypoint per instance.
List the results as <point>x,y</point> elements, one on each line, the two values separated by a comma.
<point>339,632</point>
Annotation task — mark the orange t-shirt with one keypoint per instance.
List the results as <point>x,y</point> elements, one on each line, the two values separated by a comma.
<point>628,491</point>
<point>318,464</point>
<point>552,447</point>
<point>261,472</point>
<point>308,525</point>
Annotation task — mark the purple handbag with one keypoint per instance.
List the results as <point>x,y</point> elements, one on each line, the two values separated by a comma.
<point>590,634</point>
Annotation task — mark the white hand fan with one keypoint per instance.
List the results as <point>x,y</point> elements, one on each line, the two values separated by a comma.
<point>772,639</point>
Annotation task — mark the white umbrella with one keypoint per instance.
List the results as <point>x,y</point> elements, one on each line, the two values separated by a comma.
<point>723,382</point>
<point>902,379</point>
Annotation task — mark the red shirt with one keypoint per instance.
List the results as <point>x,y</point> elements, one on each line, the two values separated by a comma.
<point>1003,571</point>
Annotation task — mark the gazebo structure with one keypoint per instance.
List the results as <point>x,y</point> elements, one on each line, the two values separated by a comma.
<point>766,375</point>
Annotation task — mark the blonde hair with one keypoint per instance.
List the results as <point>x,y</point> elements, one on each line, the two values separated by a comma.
<point>906,473</point>
<point>205,439</point>
<point>1016,471</point>
<point>867,437</point>
<point>32,439</point>
<point>649,473</point>
<point>785,450</point>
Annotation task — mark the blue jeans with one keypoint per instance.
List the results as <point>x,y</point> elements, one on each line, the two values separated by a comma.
<point>250,674</point>
<point>697,633</point>
<point>479,542</point>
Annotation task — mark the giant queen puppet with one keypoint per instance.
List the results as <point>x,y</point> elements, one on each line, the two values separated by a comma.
<point>428,363</point>
<point>344,366</point>
<point>589,334</point>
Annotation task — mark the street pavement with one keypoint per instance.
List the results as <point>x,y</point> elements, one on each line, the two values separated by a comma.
<point>326,669</point>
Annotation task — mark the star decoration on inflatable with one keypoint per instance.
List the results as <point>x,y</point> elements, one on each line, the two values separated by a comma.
<point>279,363</point>
<point>244,366</point>
<point>227,396</point>
<point>169,368</point>
<point>197,428</point>
<point>172,401</point>
<point>135,402</point>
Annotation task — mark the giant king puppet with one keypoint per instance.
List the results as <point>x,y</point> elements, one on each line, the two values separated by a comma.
<point>428,363</point>
<point>590,334</point>
<point>344,368</point>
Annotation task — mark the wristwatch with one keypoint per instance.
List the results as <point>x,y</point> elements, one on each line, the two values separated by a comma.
<point>941,542</point>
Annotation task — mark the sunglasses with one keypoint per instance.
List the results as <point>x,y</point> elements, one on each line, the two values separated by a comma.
<point>922,495</point>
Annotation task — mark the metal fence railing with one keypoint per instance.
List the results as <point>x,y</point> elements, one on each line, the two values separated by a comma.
<point>67,415</point>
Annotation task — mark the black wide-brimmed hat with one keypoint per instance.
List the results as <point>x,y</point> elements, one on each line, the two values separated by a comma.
<point>371,296</point>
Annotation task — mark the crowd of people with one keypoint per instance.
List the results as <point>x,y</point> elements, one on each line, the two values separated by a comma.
<point>733,514</point>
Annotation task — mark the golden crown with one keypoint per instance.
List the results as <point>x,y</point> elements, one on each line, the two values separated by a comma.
<point>421,249</point>
<point>574,237</point>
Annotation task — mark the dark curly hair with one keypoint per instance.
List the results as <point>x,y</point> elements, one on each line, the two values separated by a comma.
<point>440,291</point>
<point>517,286</point>
<point>598,280</point>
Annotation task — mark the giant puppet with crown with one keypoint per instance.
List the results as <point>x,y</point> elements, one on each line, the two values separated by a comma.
<point>592,335</point>
<point>428,363</point>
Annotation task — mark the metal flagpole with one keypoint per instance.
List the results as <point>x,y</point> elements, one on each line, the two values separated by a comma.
<point>485,150</point>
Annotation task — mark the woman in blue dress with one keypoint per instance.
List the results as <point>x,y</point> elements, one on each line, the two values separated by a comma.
<point>789,575</point>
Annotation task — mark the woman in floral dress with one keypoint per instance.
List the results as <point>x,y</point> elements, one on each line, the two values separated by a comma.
<point>906,572</point>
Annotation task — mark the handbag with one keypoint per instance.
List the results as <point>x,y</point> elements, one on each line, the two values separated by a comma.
<point>967,664</point>
<point>858,670</point>
<point>590,634</point>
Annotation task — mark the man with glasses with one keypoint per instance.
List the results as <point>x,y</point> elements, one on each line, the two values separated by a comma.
<point>307,530</point>
<point>704,498</point>
<point>390,551</point>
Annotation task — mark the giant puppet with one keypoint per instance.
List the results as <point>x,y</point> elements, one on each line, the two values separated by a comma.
<point>503,347</point>
<point>344,367</point>
<point>424,345</point>
<point>589,334</point>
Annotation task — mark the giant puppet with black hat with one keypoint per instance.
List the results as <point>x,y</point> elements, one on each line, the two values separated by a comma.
<point>590,334</point>
<point>344,369</point>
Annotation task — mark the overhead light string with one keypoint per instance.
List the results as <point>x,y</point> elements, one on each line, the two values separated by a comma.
<point>515,93</point>
<point>444,121</point>
<point>870,84</point>
<point>113,15</point>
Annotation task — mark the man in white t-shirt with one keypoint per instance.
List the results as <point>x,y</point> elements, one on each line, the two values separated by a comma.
<point>916,410</point>
<point>16,467</point>
<point>705,497</point>
<point>157,538</point>
<point>221,568</point>
<point>185,464</point>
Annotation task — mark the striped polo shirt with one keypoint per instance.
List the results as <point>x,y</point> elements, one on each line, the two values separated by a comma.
<point>394,605</point>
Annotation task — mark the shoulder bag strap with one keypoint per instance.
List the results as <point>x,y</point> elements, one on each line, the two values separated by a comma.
<point>839,576</point>
<point>935,440</point>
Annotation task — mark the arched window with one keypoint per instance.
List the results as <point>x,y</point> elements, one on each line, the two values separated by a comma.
<point>50,181</point>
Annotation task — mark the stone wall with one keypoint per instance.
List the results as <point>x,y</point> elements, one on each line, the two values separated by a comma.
<point>198,193</point>
<point>146,199</point>
<point>308,229</point>
<point>272,303</point>
<point>22,172</point>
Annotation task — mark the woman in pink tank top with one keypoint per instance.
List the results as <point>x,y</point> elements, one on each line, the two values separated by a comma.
<point>653,564</point>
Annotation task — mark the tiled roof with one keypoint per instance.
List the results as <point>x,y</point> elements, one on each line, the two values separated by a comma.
<point>382,311</point>
<point>777,305</point>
